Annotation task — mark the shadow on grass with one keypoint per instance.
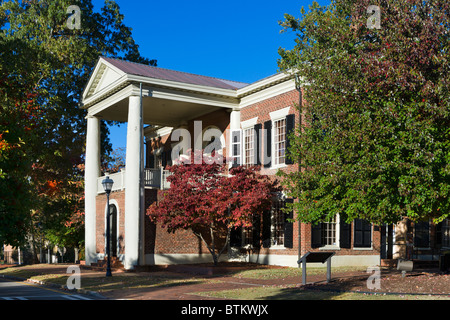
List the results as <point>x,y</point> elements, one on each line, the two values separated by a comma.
<point>99,282</point>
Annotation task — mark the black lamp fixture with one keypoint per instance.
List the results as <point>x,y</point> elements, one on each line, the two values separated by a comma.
<point>107,186</point>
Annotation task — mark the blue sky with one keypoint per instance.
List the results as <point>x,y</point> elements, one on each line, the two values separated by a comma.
<point>233,40</point>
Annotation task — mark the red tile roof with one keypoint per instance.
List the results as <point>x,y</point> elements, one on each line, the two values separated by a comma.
<point>171,75</point>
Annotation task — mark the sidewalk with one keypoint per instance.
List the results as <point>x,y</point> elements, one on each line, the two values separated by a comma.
<point>155,284</point>
<point>214,282</point>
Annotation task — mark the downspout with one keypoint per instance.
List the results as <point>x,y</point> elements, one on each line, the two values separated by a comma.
<point>299,89</point>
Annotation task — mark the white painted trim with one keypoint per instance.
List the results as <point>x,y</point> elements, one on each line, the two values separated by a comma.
<point>263,83</point>
<point>276,116</point>
<point>336,261</point>
<point>194,97</point>
<point>180,258</point>
<point>279,114</point>
<point>174,85</point>
<point>163,131</point>
<point>96,76</point>
<point>267,93</point>
<point>115,203</point>
<point>249,123</point>
<point>122,94</point>
<point>228,98</point>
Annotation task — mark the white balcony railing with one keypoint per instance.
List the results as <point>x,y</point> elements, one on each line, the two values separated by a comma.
<point>156,178</point>
<point>119,181</point>
<point>152,179</point>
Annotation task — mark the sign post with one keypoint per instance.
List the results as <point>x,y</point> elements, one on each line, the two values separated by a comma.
<point>322,257</point>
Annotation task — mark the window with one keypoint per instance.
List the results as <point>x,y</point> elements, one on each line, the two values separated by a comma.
<point>329,233</point>
<point>279,141</point>
<point>112,230</point>
<point>247,236</point>
<point>249,146</point>
<point>362,233</point>
<point>422,234</point>
<point>236,148</point>
<point>445,233</point>
<point>278,220</point>
<point>276,229</point>
<point>334,233</point>
<point>276,138</point>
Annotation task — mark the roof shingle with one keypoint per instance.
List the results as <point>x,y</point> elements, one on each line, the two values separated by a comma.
<point>171,75</point>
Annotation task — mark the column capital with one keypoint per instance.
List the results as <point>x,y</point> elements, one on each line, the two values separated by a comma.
<point>91,116</point>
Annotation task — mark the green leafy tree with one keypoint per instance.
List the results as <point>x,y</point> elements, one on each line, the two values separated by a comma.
<point>374,142</point>
<point>43,136</point>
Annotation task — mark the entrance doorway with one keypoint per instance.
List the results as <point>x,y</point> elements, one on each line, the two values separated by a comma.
<point>113,230</point>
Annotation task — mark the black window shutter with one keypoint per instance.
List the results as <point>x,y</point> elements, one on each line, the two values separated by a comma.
<point>345,231</point>
<point>151,161</point>
<point>268,146</point>
<point>290,126</point>
<point>422,234</point>
<point>257,146</point>
<point>256,241</point>
<point>169,157</point>
<point>316,235</point>
<point>163,159</point>
<point>362,233</point>
<point>236,237</point>
<point>289,227</point>
<point>439,234</point>
<point>266,232</point>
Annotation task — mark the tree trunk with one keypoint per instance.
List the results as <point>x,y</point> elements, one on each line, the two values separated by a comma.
<point>212,248</point>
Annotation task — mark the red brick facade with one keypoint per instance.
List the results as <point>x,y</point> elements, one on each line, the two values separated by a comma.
<point>157,241</point>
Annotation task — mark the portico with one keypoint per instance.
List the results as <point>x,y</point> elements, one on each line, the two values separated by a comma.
<point>141,95</point>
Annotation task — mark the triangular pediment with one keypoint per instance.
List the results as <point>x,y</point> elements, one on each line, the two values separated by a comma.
<point>104,75</point>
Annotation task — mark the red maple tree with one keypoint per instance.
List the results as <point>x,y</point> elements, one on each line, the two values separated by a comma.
<point>210,200</point>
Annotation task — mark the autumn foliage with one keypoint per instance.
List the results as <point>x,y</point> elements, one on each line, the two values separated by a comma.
<point>374,142</point>
<point>210,201</point>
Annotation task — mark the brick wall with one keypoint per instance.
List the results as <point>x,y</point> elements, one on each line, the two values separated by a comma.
<point>159,241</point>
<point>118,199</point>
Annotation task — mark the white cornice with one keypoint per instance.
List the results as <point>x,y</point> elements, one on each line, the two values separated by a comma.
<point>127,84</point>
<point>264,83</point>
<point>267,93</point>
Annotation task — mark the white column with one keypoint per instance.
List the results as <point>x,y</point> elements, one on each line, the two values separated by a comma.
<point>91,173</point>
<point>235,120</point>
<point>133,186</point>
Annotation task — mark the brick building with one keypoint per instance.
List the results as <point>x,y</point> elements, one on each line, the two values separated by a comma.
<point>155,102</point>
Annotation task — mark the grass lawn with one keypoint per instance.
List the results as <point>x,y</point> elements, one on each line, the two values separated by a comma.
<point>294,293</point>
<point>275,273</point>
<point>96,281</point>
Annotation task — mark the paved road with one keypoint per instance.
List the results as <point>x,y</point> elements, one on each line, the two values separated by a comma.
<point>18,290</point>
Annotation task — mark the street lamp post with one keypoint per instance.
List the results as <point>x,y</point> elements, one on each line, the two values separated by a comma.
<point>107,186</point>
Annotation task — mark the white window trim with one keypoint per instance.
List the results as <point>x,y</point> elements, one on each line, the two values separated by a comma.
<point>245,125</point>
<point>244,146</point>
<point>249,123</point>
<point>279,114</point>
<point>275,116</point>
<point>338,236</point>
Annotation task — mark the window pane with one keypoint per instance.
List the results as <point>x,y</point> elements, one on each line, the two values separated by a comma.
<point>446,233</point>
<point>329,232</point>
<point>249,147</point>
<point>277,223</point>
<point>280,141</point>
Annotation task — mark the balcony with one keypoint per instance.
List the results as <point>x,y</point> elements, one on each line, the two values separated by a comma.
<point>156,178</point>
<point>153,179</point>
